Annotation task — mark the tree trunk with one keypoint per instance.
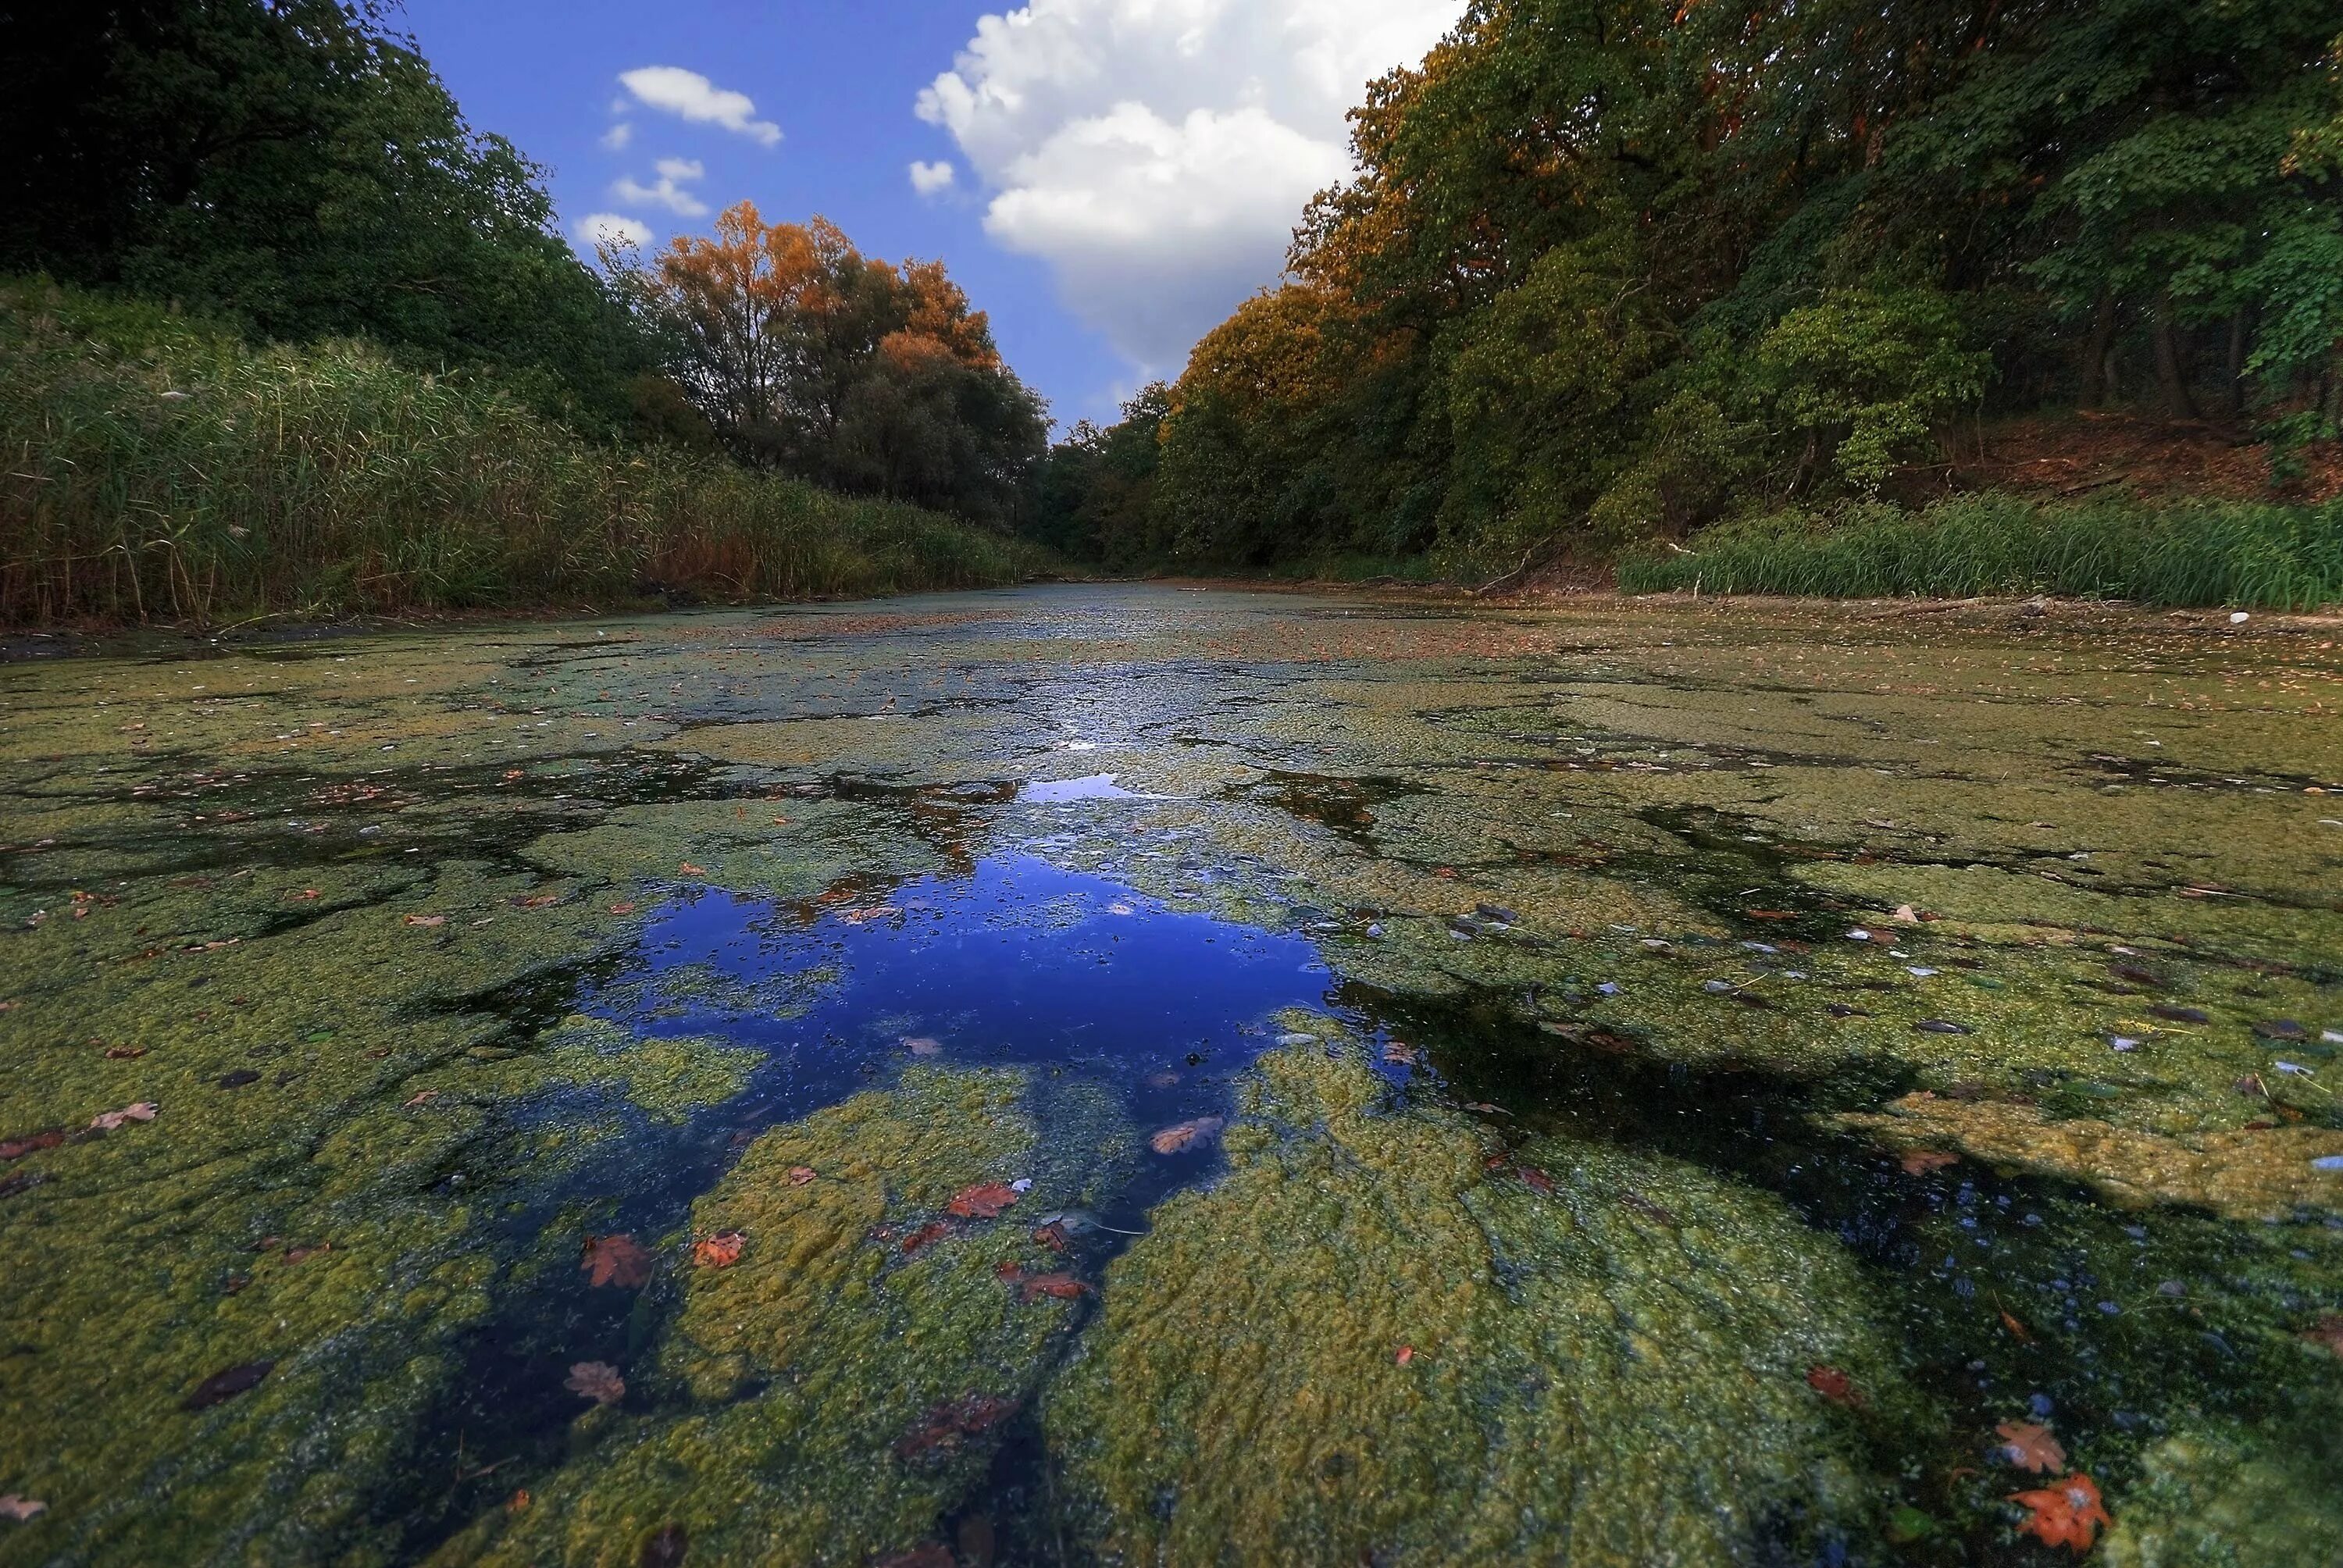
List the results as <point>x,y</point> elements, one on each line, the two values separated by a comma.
<point>2095,350</point>
<point>2169,376</point>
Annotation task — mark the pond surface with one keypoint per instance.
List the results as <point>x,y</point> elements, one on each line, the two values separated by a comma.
<point>1098,1075</point>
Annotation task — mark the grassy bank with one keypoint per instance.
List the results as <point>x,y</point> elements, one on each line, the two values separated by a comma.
<point>157,470</point>
<point>2205,553</point>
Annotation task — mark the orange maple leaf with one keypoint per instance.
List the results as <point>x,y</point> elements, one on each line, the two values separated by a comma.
<point>721,1250</point>
<point>2031,1447</point>
<point>2068,1513</point>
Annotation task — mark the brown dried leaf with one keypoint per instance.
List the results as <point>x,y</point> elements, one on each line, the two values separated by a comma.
<point>1185,1135</point>
<point>2030,1447</point>
<point>109,1121</point>
<point>223,1386</point>
<point>615,1260</point>
<point>1921,1162</point>
<point>1834,1386</point>
<point>802,1175</point>
<point>596,1380</point>
<point>1060,1287</point>
<point>426,919</point>
<point>721,1250</point>
<point>985,1201</point>
<point>21,1509</point>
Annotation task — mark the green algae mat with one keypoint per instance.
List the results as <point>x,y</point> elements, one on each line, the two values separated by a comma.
<point>1130,1076</point>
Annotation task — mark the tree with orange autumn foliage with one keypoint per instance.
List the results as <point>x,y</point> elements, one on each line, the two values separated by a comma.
<point>810,358</point>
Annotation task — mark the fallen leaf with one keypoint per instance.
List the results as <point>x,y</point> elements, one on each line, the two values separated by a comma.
<point>2328,1332</point>
<point>1400,1054</point>
<point>423,1098</point>
<point>933,1231</point>
<point>622,908</point>
<point>426,919</point>
<point>596,1380</point>
<point>17,1147</point>
<point>923,1045</point>
<point>1920,1161</point>
<point>689,870</point>
<point>21,1509</point>
<point>2018,1330</point>
<point>303,1255</point>
<point>1905,915</point>
<point>518,1502</point>
<point>721,1250</point>
<point>802,1175</point>
<point>615,1260</point>
<point>1406,1354</point>
<point>1535,1179</point>
<point>1060,1287</point>
<point>2067,1514</point>
<point>1053,1236</point>
<point>985,1201</point>
<point>2031,1447</point>
<point>223,1386</point>
<point>1182,1136</point>
<point>239,1078</point>
<point>125,1052</point>
<point>1836,1386</point>
<point>945,1427</point>
<point>107,1122</point>
<point>538,901</point>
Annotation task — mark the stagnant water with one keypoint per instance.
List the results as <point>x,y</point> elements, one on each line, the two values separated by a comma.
<point>1117,1075</point>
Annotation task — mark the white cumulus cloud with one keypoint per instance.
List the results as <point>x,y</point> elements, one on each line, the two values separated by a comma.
<point>601,228</point>
<point>1159,153</point>
<point>618,136</point>
<point>928,178</point>
<point>695,97</point>
<point>673,174</point>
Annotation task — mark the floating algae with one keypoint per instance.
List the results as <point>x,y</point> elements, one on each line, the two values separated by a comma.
<point>1383,1337</point>
<point>437,955</point>
<point>828,1396</point>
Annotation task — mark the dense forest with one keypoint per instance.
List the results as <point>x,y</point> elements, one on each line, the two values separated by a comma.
<point>1618,269</point>
<point>278,202</point>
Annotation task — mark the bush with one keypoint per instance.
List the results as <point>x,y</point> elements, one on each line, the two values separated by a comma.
<point>2202,553</point>
<point>158,468</point>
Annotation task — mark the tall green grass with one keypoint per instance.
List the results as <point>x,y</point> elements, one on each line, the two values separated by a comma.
<point>155,469</point>
<point>2195,553</point>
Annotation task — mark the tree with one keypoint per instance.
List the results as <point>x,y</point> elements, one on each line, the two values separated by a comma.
<point>808,357</point>
<point>292,165</point>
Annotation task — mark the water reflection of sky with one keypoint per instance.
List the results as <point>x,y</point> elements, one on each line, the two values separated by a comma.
<point>1016,962</point>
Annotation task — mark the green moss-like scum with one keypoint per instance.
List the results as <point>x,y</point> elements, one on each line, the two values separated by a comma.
<point>1379,1338</point>
<point>833,1393</point>
<point>331,908</point>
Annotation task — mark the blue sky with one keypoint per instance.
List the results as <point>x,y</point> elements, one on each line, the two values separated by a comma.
<point>1121,172</point>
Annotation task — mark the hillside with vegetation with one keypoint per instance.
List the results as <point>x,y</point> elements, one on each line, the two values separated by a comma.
<point>1765,296</point>
<point>286,335</point>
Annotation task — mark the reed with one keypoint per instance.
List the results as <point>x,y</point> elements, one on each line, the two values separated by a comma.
<point>2197,553</point>
<point>157,470</point>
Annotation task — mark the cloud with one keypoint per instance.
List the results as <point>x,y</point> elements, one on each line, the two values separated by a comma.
<point>695,97</point>
<point>618,136</point>
<point>668,193</point>
<point>601,228</point>
<point>928,179</point>
<point>1159,153</point>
